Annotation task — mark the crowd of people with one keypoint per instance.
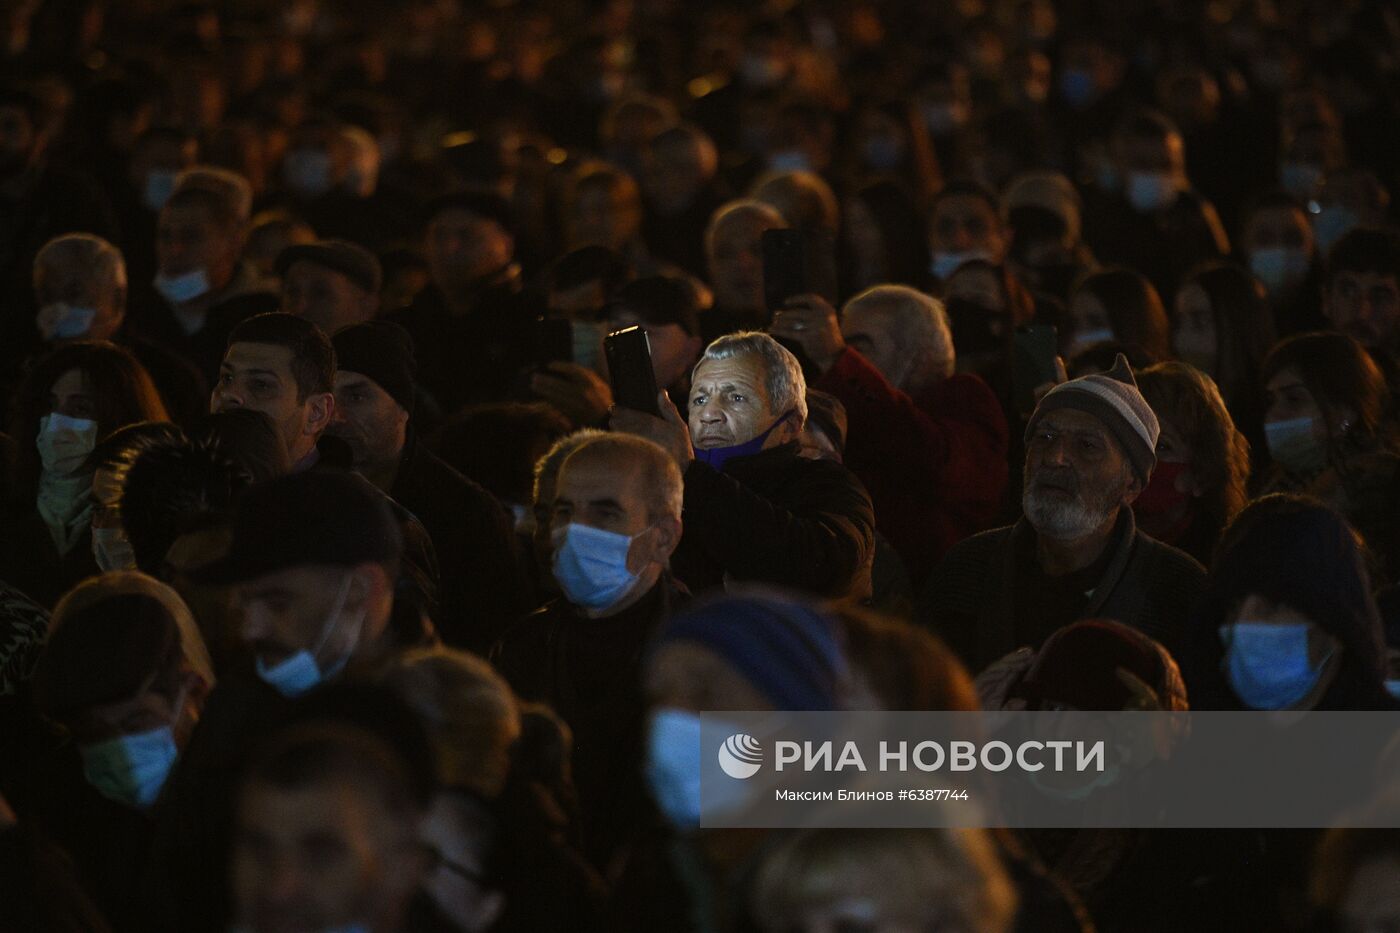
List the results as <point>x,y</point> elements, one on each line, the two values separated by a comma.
<point>338,593</point>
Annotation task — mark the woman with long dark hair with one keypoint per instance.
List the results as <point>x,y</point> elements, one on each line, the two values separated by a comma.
<point>71,399</point>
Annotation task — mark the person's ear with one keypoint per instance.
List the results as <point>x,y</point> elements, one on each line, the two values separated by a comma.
<point>1133,490</point>
<point>668,537</point>
<point>320,411</point>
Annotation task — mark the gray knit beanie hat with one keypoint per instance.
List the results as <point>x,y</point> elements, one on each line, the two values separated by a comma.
<point>1114,399</point>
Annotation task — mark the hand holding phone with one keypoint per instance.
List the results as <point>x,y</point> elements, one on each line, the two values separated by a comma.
<point>629,368</point>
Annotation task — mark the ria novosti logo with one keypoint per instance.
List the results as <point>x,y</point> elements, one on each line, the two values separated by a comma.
<point>740,756</point>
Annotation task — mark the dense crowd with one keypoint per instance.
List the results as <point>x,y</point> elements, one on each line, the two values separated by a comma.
<point>1008,354</point>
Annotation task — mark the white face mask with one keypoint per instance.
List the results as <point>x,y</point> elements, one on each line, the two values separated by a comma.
<point>112,550</point>
<point>62,321</point>
<point>183,288</point>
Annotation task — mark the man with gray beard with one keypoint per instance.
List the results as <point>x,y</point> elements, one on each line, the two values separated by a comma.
<point>1076,553</point>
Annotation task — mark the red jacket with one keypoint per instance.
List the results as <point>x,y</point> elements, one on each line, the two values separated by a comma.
<point>935,466</point>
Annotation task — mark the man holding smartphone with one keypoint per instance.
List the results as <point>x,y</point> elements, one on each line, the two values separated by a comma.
<point>754,509</point>
<point>930,444</point>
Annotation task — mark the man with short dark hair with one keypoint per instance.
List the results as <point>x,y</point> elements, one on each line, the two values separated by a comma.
<point>1077,554</point>
<point>1361,296</point>
<point>331,283</point>
<point>755,509</point>
<point>325,834</point>
<point>482,588</point>
<point>616,522</point>
<point>283,366</point>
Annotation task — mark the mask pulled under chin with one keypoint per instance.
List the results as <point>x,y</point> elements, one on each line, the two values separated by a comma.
<point>717,457</point>
<point>62,321</point>
<point>186,287</point>
<point>300,673</point>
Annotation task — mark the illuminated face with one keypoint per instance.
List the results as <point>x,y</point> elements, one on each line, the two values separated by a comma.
<point>729,402</point>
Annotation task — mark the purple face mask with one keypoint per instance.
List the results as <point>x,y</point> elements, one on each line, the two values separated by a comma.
<point>716,457</point>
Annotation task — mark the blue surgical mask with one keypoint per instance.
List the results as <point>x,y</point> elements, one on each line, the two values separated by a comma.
<point>62,321</point>
<point>1299,179</point>
<point>1279,267</point>
<point>131,769</point>
<point>591,565</point>
<point>1151,191</point>
<point>1077,87</point>
<point>299,672</point>
<point>307,172</point>
<point>186,287</point>
<point>716,457</point>
<point>1293,445</point>
<point>158,188</point>
<point>946,262</point>
<point>1267,664</point>
<point>1330,225</point>
<point>1392,687</point>
<point>673,765</point>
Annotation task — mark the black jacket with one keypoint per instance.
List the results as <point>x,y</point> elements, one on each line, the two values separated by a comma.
<point>471,358</point>
<point>589,672</point>
<point>775,518</point>
<point>481,587</point>
<point>971,599</point>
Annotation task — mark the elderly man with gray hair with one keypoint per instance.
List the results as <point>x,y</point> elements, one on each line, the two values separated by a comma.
<point>754,509</point>
<point>930,444</point>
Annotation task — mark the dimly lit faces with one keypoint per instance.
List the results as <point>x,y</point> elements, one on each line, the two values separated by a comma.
<point>1194,337</point>
<point>1365,305</point>
<point>305,608</point>
<point>259,376</point>
<point>72,396</point>
<point>465,248</point>
<point>1077,476</point>
<point>320,857</point>
<point>735,258</point>
<point>873,332</point>
<point>325,297</point>
<point>369,420</point>
<point>187,238</point>
<point>729,404</point>
<point>609,493</point>
<point>967,224</point>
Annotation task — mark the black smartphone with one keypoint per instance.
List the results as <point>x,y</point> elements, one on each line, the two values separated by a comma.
<point>798,262</point>
<point>1035,347</point>
<point>554,341</point>
<point>629,367</point>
